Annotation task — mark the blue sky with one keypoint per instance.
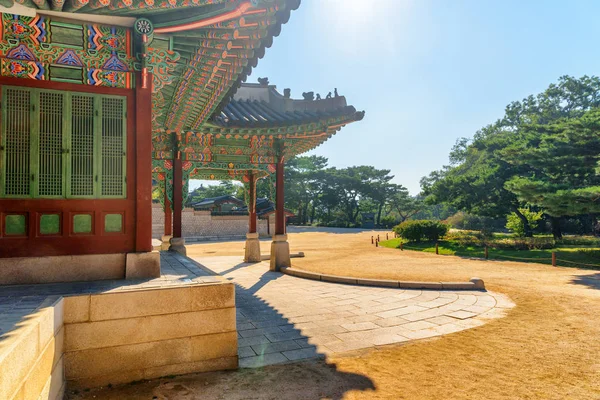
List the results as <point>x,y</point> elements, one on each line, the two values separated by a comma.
<point>427,72</point>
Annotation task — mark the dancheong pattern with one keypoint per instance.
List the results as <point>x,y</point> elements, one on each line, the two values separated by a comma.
<point>36,48</point>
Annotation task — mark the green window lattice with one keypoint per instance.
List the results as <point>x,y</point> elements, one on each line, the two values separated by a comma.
<point>62,145</point>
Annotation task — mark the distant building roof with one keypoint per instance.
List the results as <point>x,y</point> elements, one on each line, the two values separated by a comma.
<point>265,207</point>
<point>217,201</point>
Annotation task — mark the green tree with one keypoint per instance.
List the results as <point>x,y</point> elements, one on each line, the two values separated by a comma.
<point>515,224</point>
<point>564,159</point>
<point>476,180</point>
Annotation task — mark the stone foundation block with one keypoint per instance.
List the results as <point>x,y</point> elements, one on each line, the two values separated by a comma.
<point>178,245</point>
<point>142,265</point>
<point>280,253</point>
<point>252,248</point>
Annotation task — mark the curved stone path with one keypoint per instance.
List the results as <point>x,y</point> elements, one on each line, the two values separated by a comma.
<point>282,318</point>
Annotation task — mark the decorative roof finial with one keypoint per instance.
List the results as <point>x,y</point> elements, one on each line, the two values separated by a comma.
<point>318,96</point>
<point>287,93</point>
<point>328,95</point>
<point>263,81</point>
<point>308,96</point>
<point>335,93</point>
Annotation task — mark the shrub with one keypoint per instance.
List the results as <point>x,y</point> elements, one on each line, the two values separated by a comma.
<point>514,223</point>
<point>579,241</point>
<point>421,229</point>
<point>523,243</point>
<point>465,221</point>
<point>466,238</point>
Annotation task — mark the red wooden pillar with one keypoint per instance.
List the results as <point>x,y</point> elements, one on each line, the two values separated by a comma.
<point>177,195</point>
<point>280,201</point>
<point>252,253</point>
<point>168,217</point>
<point>252,204</point>
<point>143,168</point>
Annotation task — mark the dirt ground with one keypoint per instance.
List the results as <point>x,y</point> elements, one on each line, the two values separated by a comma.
<point>548,347</point>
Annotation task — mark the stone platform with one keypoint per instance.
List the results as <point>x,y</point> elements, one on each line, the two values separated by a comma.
<point>91,334</point>
<point>282,318</point>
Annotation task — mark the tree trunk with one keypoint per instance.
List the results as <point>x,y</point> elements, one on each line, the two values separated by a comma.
<point>379,214</point>
<point>526,226</point>
<point>555,224</point>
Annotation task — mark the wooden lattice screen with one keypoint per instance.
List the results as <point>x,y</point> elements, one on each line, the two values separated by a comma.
<point>62,145</point>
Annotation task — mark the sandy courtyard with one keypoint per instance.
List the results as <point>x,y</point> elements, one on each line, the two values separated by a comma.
<point>547,347</point>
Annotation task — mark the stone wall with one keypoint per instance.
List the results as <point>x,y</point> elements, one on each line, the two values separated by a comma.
<point>200,224</point>
<point>143,334</point>
<point>92,340</point>
<point>31,356</point>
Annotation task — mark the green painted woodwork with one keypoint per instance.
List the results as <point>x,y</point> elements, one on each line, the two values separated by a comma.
<point>67,34</point>
<point>82,223</point>
<point>62,144</point>
<point>113,223</point>
<point>50,224</point>
<point>15,224</point>
<point>66,74</point>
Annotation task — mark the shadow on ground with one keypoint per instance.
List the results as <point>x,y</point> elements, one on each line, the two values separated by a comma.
<point>591,281</point>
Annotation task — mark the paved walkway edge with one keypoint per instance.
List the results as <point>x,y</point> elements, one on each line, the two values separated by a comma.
<point>473,284</point>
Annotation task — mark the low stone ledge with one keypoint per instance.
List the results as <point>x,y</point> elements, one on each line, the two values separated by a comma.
<point>474,284</point>
<point>377,282</point>
<point>338,279</point>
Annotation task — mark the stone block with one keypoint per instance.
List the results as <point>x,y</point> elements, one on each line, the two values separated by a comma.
<point>165,242</point>
<point>458,286</point>
<point>139,303</point>
<point>50,317</point>
<point>478,282</point>
<point>338,279</point>
<point>76,308</point>
<point>41,371</point>
<point>142,265</point>
<point>280,253</point>
<point>378,282</point>
<point>178,245</point>
<point>207,297</point>
<point>420,285</point>
<point>93,267</point>
<point>92,335</point>
<point>218,345</point>
<point>252,250</point>
<point>18,354</point>
<point>301,274</point>
<point>121,359</point>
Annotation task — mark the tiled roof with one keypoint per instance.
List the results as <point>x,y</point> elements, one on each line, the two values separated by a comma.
<point>263,106</point>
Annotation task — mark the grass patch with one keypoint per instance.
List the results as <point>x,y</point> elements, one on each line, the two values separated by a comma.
<point>580,257</point>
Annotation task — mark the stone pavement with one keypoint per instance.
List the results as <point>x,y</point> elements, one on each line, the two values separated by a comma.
<point>281,318</point>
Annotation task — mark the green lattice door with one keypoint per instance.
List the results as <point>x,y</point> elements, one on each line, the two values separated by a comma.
<point>61,144</point>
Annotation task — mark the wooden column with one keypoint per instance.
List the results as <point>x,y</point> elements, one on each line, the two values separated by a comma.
<point>168,217</point>
<point>143,168</point>
<point>252,204</point>
<point>280,201</point>
<point>177,195</point>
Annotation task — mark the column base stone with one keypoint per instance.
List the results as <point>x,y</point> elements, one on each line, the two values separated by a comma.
<point>280,253</point>
<point>142,265</point>
<point>252,248</point>
<point>166,242</point>
<point>178,245</point>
